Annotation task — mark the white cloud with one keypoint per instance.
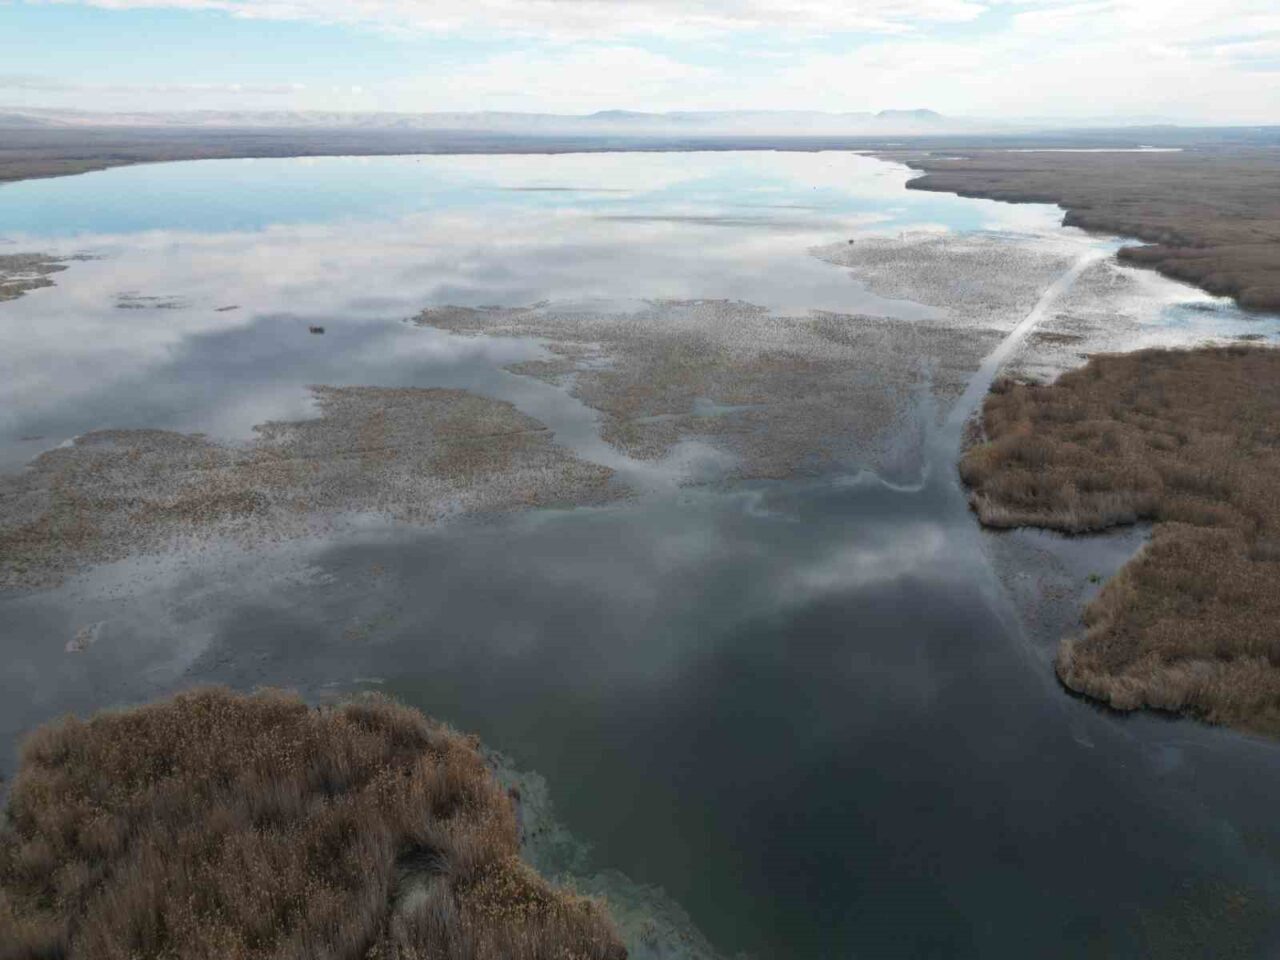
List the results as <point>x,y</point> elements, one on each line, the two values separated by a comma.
<point>592,18</point>
<point>1167,21</point>
<point>1247,51</point>
<point>31,82</point>
<point>575,79</point>
<point>1182,59</point>
<point>1188,61</point>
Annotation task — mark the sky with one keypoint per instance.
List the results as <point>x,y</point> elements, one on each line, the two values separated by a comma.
<point>1202,61</point>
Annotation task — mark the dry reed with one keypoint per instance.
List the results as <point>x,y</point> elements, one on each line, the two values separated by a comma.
<point>1189,440</point>
<point>216,825</point>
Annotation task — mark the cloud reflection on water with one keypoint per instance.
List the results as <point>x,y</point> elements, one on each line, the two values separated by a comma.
<point>794,706</point>
<point>72,361</point>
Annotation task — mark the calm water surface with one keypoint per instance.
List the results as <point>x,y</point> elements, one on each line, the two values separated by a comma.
<point>806,710</point>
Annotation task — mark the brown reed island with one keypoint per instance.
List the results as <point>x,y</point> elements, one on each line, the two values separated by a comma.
<point>1189,441</point>
<point>1206,215</point>
<point>220,825</point>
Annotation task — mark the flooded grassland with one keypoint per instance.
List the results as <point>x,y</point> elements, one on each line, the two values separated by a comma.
<point>408,455</point>
<point>23,272</point>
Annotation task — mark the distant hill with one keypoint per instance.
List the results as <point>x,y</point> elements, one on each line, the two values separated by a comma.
<point>21,120</point>
<point>604,122</point>
<point>914,116</point>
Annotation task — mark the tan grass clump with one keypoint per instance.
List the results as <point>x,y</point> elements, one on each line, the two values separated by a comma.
<point>216,825</point>
<point>1189,440</point>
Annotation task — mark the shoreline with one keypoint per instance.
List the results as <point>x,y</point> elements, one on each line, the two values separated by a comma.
<point>1179,240</point>
<point>1230,249</point>
<point>378,833</point>
<point>45,153</point>
<point>1161,437</point>
<point>1236,254</point>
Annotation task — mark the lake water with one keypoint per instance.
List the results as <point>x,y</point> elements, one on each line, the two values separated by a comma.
<point>808,710</point>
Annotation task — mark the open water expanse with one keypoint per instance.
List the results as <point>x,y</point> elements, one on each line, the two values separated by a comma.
<point>792,713</point>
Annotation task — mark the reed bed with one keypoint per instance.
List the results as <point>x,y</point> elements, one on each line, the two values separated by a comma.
<point>1189,441</point>
<point>217,825</point>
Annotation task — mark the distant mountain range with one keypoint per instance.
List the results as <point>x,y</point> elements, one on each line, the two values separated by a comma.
<point>605,122</point>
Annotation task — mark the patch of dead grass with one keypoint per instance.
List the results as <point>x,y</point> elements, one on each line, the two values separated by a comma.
<point>1189,440</point>
<point>781,395</point>
<point>410,455</point>
<point>216,825</point>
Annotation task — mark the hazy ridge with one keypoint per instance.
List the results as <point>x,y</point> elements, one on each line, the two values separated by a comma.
<point>622,122</point>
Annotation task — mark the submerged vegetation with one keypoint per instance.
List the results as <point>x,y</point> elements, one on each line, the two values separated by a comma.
<point>225,826</point>
<point>411,454</point>
<point>785,393</point>
<point>20,273</point>
<point>1189,440</point>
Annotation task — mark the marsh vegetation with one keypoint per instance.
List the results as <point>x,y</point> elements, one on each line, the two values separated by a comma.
<point>20,273</point>
<point>415,455</point>
<point>1207,216</point>
<point>780,394</point>
<point>235,827</point>
<point>1189,440</point>
<point>788,393</point>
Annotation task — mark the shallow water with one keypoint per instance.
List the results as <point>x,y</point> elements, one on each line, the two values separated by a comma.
<point>356,245</point>
<point>806,709</point>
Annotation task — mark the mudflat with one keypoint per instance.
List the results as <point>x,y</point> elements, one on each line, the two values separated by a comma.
<point>1207,215</point>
